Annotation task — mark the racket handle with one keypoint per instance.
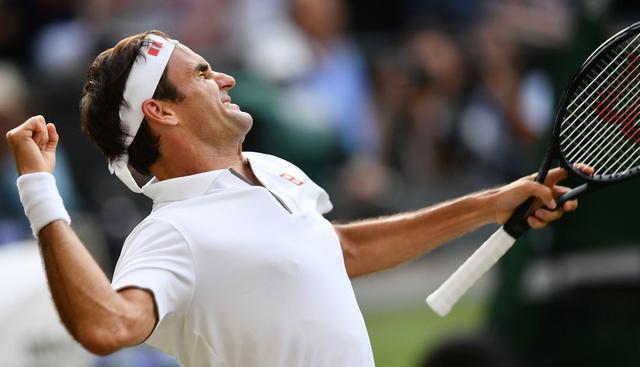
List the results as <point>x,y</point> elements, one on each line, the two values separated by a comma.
<point>445,297</point>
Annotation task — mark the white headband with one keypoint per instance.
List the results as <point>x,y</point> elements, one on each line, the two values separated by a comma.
<point>141,84</point>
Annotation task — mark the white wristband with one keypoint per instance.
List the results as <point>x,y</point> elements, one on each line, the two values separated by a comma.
<point>41,200</point>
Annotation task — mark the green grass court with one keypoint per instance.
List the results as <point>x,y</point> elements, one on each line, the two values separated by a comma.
<point>400,338</point>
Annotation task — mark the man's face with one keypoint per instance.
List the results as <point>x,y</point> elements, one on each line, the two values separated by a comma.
<point>206,111</point>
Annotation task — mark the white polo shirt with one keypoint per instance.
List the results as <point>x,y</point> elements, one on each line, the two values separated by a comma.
<point>246,275</point>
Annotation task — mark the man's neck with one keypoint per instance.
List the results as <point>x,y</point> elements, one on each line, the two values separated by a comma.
<point>173,166</point>
<point>243,167</point>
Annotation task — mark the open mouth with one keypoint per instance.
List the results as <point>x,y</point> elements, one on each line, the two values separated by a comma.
<point>226,102</point>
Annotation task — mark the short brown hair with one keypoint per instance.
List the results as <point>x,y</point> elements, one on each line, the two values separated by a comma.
<point>102,98</point>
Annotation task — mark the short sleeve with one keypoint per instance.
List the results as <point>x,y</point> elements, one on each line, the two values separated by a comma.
<point>156,257</point>
<point>320,196</point>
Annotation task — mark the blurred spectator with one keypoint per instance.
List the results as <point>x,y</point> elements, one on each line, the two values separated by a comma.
<point>421,85</point>
<point>440,85</point>
<point>540,23</point>
<point>14,110</point>
<point>508,109</point>
<point>21,22</point>
<point>323,76</point>
<point>337,79</point>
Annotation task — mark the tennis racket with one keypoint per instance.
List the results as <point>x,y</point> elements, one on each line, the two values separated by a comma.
<point>597,124</point>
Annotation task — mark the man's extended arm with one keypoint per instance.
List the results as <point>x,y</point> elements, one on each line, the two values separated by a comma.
<point>101,319</point>
<point>377,244</point>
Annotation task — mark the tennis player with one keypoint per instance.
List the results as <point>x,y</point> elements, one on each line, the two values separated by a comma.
<point>235,265</point>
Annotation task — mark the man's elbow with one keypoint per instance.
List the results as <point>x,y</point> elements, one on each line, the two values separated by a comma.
<point>102,340</point>
<point>352,263</point>
<point>348,250</point>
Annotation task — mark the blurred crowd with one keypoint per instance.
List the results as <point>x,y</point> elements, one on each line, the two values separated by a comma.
<point>388,105</point>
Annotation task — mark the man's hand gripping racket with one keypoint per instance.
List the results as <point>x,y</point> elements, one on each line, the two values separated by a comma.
<point>596,139</point>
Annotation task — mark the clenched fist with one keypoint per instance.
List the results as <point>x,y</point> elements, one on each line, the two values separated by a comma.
<point>33,145</point>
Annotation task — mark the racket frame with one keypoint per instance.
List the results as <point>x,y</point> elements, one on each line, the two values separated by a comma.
<point>554,149</point>
<point>517,224</point>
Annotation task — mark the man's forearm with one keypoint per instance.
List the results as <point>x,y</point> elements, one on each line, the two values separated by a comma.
<point>92,311</point>
<point>377,244</point>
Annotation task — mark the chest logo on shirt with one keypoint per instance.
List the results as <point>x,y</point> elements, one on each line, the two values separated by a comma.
<point>292,179</point>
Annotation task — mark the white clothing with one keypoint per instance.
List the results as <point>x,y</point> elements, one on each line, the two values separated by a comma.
<point>246,275</point>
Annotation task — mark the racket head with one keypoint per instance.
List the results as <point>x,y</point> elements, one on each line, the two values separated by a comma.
<point>597,122</point>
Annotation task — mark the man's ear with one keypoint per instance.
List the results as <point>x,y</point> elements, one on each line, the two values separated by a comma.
<point>159,112</point>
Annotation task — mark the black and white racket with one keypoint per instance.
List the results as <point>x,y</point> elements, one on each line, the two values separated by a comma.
<point>597,124</point>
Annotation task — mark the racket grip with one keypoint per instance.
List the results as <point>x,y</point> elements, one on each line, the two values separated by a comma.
<point>445,297</point>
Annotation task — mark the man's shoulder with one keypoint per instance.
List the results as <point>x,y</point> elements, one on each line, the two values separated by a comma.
<point>153,229</point>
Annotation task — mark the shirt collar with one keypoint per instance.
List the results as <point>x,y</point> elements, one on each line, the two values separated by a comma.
<point>187,187</point>
<point>181,188</point>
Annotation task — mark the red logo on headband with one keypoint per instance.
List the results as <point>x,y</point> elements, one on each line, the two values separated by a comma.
<point>154,49</point>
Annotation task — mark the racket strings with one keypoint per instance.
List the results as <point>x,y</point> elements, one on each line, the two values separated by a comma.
<point>607,111</point>
<point>592,135</point>
<point>586,109</point>
<point>581,109</point>
<point>605,153</point>
<point>606,70</point>
<point>622,119</point>
<point>601,123</point>
<point>591,130</point>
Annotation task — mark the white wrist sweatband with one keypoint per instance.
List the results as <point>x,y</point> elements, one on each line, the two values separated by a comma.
<point>41,200</point>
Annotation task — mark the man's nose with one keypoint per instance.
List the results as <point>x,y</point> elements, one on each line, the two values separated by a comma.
<point>225,81</point>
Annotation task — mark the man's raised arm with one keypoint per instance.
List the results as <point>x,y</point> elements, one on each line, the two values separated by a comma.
<point>98,317</point>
